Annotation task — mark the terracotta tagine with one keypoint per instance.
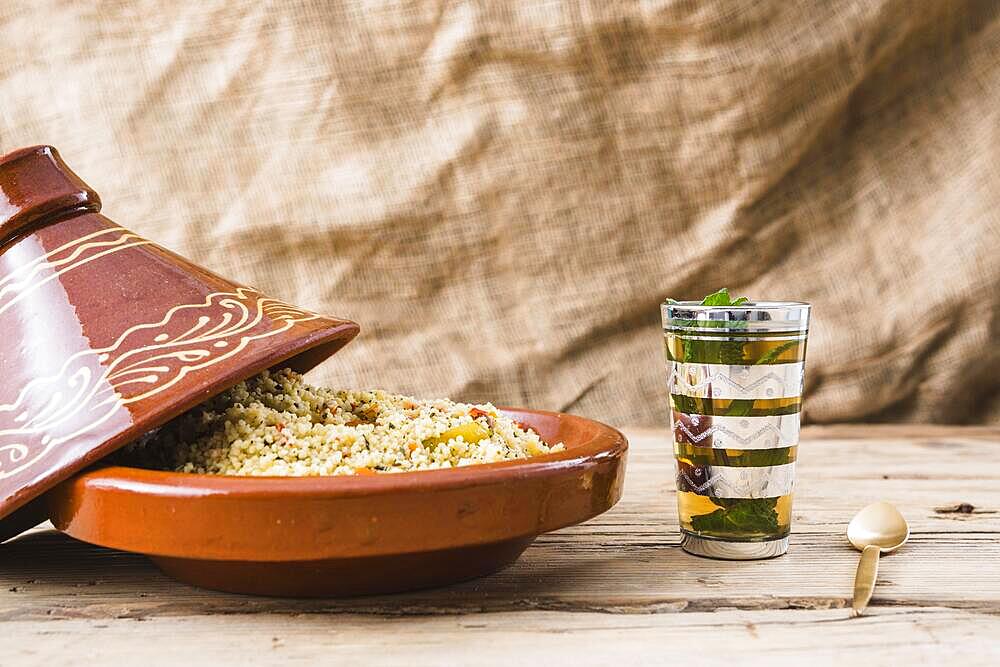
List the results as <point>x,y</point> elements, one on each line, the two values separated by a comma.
<point>106,336</point>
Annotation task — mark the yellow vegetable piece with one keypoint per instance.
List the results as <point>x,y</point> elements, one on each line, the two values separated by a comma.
<point>472,432</point>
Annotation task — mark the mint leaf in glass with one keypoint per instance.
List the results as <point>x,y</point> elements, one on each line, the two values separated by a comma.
<point>721,298</point>
<point>711,351</point>
<point>738,516</point>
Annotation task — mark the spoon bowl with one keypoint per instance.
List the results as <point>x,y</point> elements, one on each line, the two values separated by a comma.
<point>878,524</point>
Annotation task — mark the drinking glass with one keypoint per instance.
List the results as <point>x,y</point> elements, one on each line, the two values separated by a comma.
<point>735,383</point>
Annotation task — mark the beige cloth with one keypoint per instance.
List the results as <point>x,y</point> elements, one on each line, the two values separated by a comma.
<point>503,193</point>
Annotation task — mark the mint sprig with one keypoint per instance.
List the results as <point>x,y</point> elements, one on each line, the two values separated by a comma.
<point>740,517</point>
<point>722,298</point>
<point>712,351</point>
<point>776,352</point>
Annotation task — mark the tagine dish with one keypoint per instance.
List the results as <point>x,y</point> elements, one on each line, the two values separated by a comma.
<point>153,406</point>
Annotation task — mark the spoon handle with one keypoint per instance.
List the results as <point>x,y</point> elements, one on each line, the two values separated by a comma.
<point>864,580</point>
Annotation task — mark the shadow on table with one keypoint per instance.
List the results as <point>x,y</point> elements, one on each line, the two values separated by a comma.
<point>67,575</point>
<point>48,555</point>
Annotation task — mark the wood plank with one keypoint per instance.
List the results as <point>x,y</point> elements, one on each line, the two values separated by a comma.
<point>73,581</point>
<point>620,578</point>
<point>725,637</point>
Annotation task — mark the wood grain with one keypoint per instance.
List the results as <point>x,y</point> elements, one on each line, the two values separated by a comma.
<point>615,588</point>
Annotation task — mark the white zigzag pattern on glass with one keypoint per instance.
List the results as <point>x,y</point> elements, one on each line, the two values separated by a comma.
<point>722,378</point>
<point>722,381</point>
<point>762,483</point>
<point>745,441</point>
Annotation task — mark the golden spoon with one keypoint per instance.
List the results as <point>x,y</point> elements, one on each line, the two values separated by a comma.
<point>877,529</point>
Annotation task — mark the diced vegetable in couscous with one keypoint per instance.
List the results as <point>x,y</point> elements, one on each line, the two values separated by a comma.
<point>277,424</point>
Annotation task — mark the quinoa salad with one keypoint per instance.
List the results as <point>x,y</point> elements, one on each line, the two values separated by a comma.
<point>276,424</point>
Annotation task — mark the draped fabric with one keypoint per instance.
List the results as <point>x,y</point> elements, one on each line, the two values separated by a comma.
<point>502,193</point>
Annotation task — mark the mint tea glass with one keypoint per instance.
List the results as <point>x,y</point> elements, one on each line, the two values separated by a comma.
<point>735,383</point>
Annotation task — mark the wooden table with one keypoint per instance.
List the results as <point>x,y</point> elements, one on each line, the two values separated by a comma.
<point>617,590</point>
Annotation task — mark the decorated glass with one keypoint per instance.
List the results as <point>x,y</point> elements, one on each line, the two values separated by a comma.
<point>735,377</point>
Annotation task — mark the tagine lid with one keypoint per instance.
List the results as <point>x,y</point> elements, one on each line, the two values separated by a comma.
<point>105,335</point>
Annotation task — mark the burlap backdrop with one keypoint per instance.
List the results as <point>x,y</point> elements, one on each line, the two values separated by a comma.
<point>502,193</point>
